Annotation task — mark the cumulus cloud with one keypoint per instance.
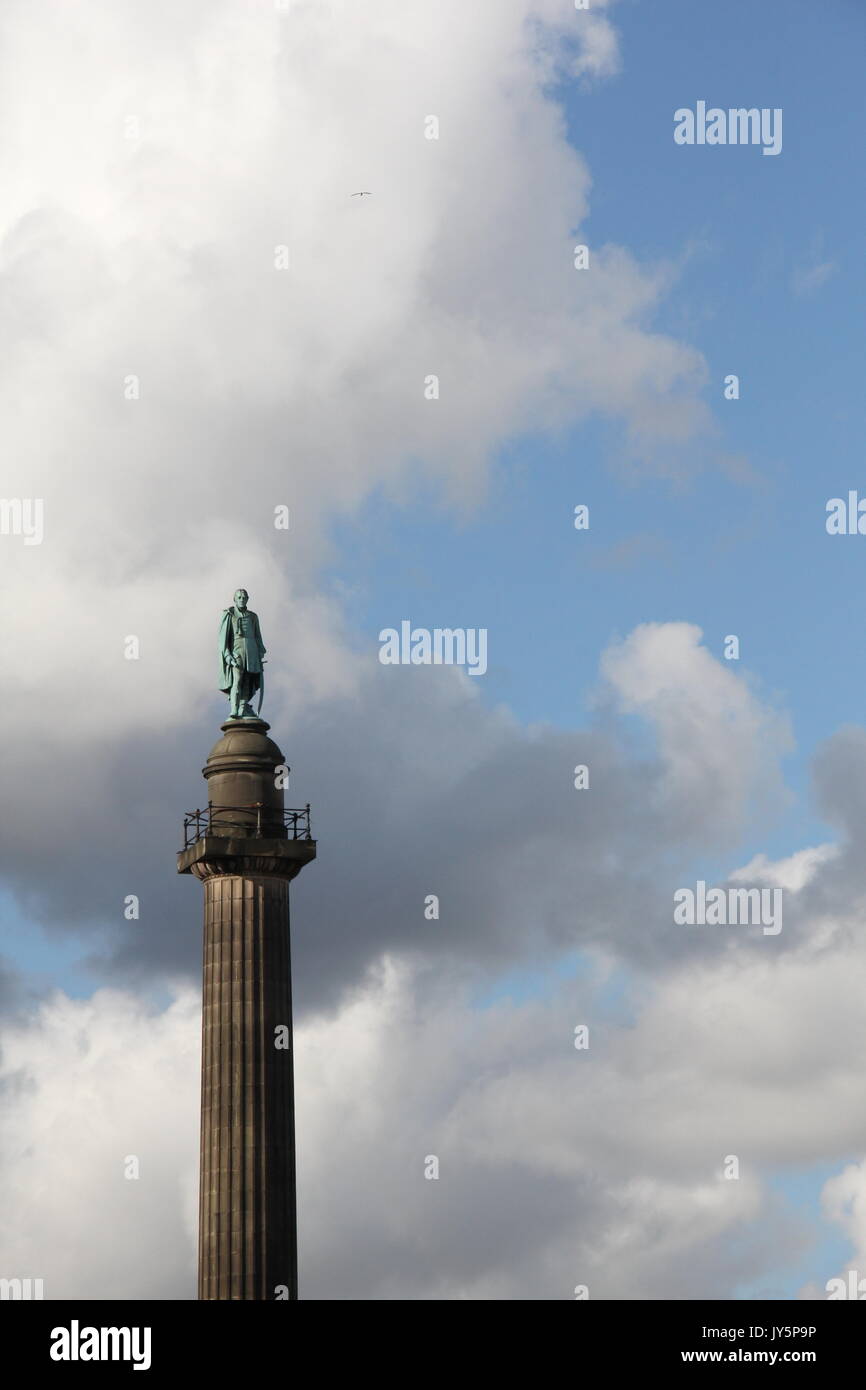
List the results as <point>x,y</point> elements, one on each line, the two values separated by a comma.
<point>85,1087</point>
<point>843,1199</point>
<point>720,745</point>
<point>557,1166</point>
<point>611,1160</point>
<point>418,787</point>
<point>165,386</point>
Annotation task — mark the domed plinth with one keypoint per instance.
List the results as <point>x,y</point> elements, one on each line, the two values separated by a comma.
<point>245,774</point>
<point>246,828</point>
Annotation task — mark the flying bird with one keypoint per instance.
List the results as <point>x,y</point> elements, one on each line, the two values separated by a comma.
<point>366,194</point>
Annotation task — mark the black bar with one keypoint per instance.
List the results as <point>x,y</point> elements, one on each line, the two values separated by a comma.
<point>229,1339</point>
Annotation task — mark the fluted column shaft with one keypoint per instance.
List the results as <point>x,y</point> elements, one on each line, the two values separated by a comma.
<point>247,1221</point>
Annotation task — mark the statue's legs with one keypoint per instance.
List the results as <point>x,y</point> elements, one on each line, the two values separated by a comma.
<point>241,690</point>
<point>237,695</point>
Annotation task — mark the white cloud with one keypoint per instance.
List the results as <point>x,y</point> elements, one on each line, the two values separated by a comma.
<point>843,1200</point>
<point>557,1167</point>
<point>792,873</point>
<point>719,743</point>
<point>86,1084</point>
<point>147,184</point>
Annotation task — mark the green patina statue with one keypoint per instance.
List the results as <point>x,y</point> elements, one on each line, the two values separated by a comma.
<point>242,655</point>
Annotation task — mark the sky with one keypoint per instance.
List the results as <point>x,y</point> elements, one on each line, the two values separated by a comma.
<point>199,325</point>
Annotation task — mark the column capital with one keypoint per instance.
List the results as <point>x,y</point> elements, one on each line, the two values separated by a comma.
<point>215,855</point>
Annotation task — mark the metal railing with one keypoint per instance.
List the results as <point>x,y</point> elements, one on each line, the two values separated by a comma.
<point>253,821</point>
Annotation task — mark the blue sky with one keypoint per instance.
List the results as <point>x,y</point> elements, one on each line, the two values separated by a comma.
<point>748,555</point>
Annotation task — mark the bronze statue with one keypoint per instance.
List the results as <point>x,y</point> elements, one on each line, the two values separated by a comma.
<point>242,655</point>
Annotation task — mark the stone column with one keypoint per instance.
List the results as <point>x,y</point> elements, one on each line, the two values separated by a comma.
<point>245,854</point>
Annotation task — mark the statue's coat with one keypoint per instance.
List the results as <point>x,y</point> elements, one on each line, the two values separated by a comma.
<point>255,651</point>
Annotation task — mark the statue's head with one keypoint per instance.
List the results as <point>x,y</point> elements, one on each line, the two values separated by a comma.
<point>242,598</point>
